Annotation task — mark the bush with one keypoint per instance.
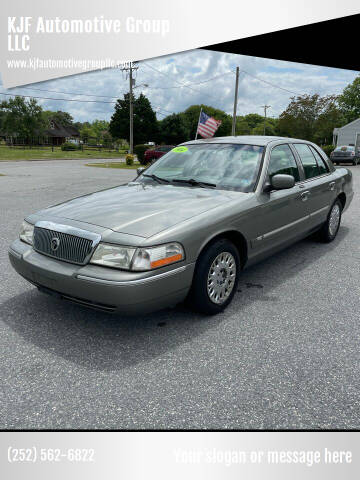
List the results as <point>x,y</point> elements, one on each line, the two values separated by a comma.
<point>140,152</point>
<point>129,159</point>
<point>328,149</point>
<point>67,146</point>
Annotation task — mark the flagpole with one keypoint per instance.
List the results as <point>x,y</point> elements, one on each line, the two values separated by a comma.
<point>197,128</point>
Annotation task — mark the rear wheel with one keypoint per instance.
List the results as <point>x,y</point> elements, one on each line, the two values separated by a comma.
<point>331,227</point>
<point>216,277</point>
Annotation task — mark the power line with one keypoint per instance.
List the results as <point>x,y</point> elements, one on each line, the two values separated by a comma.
<point>175,81</point>
<point>69,100</point>
<point>269,83</point>
<point>195,83</point>
<point>73,93</point>
<point>121,93</point>
<point>50,98</point>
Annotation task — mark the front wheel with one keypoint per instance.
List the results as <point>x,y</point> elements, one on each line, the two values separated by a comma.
<point>216,277</point>
<point>332,224</point>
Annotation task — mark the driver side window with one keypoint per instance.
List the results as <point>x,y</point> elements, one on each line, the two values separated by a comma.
<point>282,161</point>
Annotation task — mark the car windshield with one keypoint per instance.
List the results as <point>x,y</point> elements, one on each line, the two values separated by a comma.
<point>345,148</point>
<point>224,166</point>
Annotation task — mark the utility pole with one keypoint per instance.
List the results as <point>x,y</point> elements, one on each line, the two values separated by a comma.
<point>265,107</point>
<point>233,129</point>
<point>129,71</point>
<point>131,112</point>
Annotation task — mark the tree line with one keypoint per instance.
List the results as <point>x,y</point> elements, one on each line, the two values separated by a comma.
<point>26,120</point>
<point>310,117</point>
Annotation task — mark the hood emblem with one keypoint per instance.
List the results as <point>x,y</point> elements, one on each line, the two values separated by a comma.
<point>54,244</point>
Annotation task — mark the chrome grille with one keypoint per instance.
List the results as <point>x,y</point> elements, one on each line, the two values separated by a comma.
<point>64,243</point>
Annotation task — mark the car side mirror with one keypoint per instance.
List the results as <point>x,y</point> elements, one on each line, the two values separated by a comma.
<point>140,170</point>
<point>279,182</point>
<point>282,182</point>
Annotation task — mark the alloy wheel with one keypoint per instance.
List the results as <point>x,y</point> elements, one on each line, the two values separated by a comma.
<point>334,219</point>
<point>221,278</point>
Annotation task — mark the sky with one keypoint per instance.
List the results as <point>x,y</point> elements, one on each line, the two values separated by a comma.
<point>210,80</point>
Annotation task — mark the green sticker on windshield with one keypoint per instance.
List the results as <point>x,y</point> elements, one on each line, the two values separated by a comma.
<point>180,149</point>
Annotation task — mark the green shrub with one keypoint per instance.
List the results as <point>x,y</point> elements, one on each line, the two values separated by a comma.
<point>140,152</point>
<point>328,149</point>
<point>67,146</point>
<point>129,159</point>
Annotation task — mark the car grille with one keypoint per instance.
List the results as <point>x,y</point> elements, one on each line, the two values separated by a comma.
<point>62,246</point>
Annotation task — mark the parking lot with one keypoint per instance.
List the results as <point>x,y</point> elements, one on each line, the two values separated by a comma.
<point>284,355</point>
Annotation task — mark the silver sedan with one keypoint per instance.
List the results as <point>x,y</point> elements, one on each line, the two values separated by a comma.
<point>186,228</point>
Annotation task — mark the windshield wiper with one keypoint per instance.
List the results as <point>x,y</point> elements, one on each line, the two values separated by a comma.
<point>195,183</point>
<point>156,178</point>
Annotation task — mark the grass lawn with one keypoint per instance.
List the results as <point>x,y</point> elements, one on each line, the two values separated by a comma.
<point>114,165</point>
<point>13,154</point>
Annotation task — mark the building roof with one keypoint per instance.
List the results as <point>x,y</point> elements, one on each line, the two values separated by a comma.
<point>61,131</point>
<point>336,130</point>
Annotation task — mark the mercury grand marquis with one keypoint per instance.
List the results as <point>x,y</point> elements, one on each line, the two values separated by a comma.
<point>186,227</point>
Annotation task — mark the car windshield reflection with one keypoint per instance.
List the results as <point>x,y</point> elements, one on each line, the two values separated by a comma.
<point>224,166</point>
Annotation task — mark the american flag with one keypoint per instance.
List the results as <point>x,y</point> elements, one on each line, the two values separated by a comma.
<point>207,125</point>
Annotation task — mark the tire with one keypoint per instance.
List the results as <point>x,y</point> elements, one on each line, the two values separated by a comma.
<point>218,266</point>
<point>330,229</point>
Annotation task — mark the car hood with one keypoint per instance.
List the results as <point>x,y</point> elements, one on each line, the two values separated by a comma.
<point>138,209</point>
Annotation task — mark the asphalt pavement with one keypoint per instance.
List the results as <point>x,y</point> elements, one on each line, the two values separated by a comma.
<point>284,355</point>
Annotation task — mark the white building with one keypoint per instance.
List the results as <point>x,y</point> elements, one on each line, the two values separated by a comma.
<point>348,134</point>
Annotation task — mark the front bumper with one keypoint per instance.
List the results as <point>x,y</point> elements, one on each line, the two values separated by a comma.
<point>103,288</point>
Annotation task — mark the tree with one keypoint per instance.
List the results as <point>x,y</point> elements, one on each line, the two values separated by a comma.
<point>242,126</point>
<point>87,133</point>
<point>99,128</point>
<point>174,129</point>
<point>331,117</point>
<point>23,118</point>
<point>311,117</point>
<point>145,121</point>
<point>349,100</point>
<point>270,124</point>
<point>253,120</point>
<point>62,118</point>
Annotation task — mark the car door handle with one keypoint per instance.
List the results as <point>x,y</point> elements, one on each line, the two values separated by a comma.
<point>305,195</point>
<point>332,185</point>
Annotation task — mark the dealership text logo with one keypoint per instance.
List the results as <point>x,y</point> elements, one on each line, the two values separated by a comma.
<point>20,28</point>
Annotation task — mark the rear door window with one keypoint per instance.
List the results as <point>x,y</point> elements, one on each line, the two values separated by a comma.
<point>320,161</point>
<point>310,165</point>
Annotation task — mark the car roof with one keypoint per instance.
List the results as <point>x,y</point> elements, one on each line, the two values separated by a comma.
<point>259,140</point>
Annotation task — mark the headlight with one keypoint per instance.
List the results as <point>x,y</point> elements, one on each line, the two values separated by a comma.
<point>26,232</point>
<point>139,259</point>
<point>113,256</point>
<point>155,257</point>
